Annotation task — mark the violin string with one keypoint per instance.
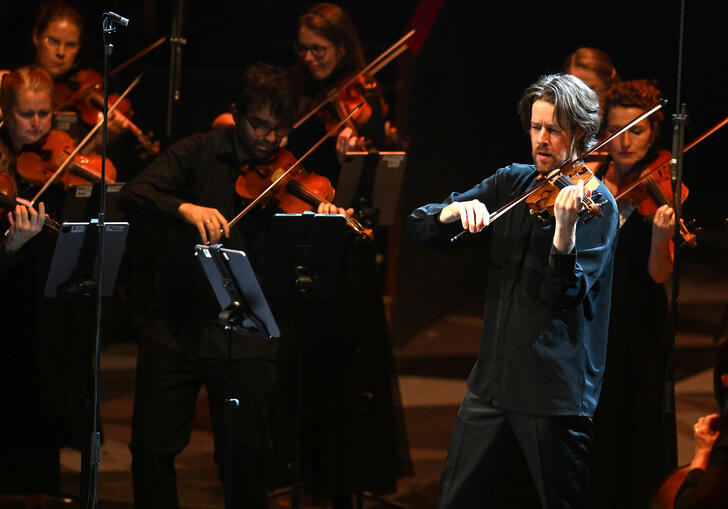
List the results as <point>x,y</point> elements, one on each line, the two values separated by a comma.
<point>656,192</point>
<point>316,200</point>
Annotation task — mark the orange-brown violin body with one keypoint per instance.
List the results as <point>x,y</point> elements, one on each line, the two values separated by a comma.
<point>37,166</point>
<point>9,197</point>
<point>296,193</point>
<point>656,190</point>
<point>8,193</point>
<point>349,98</point>
<point>543,200</point>
<point>88,99</point>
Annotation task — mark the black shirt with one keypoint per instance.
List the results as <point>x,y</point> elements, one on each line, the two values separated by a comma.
<point>202,170</point>
<point>544,338</point>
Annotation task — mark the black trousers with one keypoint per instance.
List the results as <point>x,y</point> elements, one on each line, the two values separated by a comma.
<point>485,442</point>
<point>167,385</point>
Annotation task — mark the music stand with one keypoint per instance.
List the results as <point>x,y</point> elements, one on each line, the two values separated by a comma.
<point>73,267</point>
<point>80,202</point>
<point>305,260</point>
<point>372,180</point>
<point>244,310</point>
<point>76,270</point>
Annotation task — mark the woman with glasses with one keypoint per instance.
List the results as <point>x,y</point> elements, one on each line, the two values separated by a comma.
<point>353,426</point>
<point>57,37</point>
<point>329,54</point>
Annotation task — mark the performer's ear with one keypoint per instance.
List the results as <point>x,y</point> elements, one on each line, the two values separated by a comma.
<point>724,379</point>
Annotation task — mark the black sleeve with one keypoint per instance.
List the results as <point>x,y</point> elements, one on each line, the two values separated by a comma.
<point>707,489</point>
<point>159,187</point>
<point>574,274</point>
<point>424,224</point>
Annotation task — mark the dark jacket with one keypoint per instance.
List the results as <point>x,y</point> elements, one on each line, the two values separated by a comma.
<point>546,314</point>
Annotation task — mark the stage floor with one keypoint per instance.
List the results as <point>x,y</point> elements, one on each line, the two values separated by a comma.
<point>432,368</point>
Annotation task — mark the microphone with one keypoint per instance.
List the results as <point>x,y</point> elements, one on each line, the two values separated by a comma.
<point>116,19</point>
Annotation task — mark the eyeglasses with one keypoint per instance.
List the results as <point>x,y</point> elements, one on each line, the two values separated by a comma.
<point>263,130</point>
<point>55,43</point>
<point>318,52</point>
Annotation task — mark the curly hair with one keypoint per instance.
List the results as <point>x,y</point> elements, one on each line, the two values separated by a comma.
<point>642,94</point>
<point>266,84</point>
<point>576,107</point>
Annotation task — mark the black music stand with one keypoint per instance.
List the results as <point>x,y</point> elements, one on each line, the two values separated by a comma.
<point>73,267</point>
<point>244,310</point>
<point>304,262</point>
<point>370,182</point>
<point>76,270</point>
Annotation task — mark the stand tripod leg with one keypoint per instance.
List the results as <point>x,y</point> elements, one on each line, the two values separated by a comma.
<point>296,488</point>
<point>230,403</point>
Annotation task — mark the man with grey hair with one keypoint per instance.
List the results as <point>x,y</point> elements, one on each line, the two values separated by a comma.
<point>536,382</point>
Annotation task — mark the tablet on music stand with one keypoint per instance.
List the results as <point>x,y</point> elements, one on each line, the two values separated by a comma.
<point>73,267</point>
<point>305,250</point>
<point>234,283</point>
<point>373,180</point>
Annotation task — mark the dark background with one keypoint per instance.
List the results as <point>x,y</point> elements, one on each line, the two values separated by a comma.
<point>456,99</point>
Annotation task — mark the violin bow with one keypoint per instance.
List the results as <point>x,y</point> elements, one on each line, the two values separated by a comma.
<point>687,147</point>
<point>298,162</point>
<point>558,171</point>
<point>139,55</point>
<point>387,56</point>
<point>83,142</point>
<point>73,97</point>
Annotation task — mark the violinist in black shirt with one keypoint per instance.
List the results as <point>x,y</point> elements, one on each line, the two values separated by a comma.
<point>190,190</point>
<point>536,381</point>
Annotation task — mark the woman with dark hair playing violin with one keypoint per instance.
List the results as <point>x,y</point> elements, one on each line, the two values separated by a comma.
<point>631,447</point>
<point>352,407</point>
<point>329,53</point>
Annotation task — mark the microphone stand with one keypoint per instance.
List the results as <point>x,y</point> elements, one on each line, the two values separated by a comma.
<point>176,42</point>
<point>110,21</point>
<point>676,176</point>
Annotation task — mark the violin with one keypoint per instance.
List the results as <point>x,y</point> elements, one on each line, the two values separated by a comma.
<point>86,95</point>
<point>38,164</point>
<point>347,99</point>
<point>542,201</point>
<point>651,188</point>
<point>555,181</point>
<point>353,90</point>
<point>8,200</point>
<point>272,177</point>
<point>293,193</point>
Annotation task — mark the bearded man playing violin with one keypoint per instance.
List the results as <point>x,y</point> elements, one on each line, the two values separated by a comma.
<point>190,190</point>
<point>536,382</point>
